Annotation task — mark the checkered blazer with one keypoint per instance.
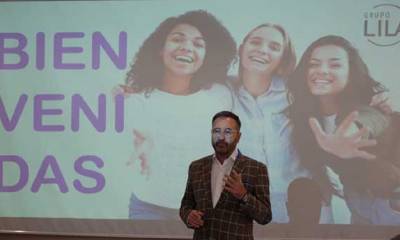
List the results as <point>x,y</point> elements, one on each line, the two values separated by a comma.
<point>231,218</point>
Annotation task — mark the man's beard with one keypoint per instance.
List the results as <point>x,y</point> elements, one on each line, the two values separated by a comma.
<point>221,147</point>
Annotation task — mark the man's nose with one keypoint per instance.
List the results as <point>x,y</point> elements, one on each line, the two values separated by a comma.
<point>222,136</point>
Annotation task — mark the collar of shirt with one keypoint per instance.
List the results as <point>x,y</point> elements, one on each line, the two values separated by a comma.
<point>232,157</point>
<point>277,85</point>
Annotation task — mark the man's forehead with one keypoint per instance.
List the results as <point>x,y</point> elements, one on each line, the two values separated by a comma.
<point>225,122</point>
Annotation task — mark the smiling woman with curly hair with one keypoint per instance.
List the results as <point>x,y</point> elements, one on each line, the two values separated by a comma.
<point>148,69</point>
<point>177,82</point>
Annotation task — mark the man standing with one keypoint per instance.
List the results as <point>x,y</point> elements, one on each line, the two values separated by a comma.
<point>226,191</point>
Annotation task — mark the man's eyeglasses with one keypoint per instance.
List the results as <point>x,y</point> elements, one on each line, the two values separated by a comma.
<point>227,132</point>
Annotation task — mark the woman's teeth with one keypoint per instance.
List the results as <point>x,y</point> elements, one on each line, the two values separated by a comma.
<point>259,60</point>
<point>185,59</point>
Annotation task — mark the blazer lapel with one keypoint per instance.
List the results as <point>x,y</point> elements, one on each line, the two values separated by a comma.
<point>207,181</point>
<point>238,166</point>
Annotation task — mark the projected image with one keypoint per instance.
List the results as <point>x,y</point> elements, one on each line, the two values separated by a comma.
<point>330,82</point>
<point>102,115</point>
<point>337,83</point>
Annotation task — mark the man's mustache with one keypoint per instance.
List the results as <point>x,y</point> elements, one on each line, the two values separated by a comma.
<point>221,142</point>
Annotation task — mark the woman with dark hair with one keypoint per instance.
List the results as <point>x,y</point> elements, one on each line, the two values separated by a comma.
<point>330,83</point>
<point>176,81</point>
<point>148,70</point>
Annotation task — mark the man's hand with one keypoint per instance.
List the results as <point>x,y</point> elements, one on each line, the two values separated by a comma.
<point>234,184</point>
<point>195,219</point>
<point>340,144</point>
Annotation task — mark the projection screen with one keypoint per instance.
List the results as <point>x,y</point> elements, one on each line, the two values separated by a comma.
<point>94,141</point>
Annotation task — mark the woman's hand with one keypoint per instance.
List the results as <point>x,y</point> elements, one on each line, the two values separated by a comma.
<point>123,90</point>
<point>382,101</point>
<point>143,146</point>
<point>342,144</point>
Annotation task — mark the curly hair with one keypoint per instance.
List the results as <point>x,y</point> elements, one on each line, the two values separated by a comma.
<point>288,61</point>
<point>147,70</point>
<point>360,89</point>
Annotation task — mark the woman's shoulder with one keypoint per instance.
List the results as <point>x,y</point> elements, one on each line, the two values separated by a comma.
<point>140,100</point>
<point>137,96</point>
<point>233,82</point>
<point>218,90</point>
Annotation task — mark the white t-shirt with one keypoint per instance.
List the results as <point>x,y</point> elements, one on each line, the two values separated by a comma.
<point>171,131</point>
